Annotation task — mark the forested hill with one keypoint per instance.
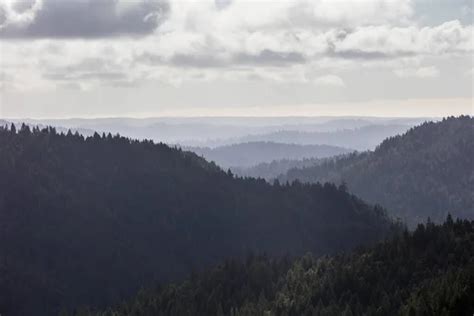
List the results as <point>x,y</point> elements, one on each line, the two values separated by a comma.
<point>427,272</point>
<point>271,170</point>
<point>91,220</point>
<point>252,153</point>
<point>427,172</point>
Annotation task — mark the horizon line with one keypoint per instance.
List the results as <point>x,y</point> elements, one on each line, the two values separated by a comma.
<point>230,117</point>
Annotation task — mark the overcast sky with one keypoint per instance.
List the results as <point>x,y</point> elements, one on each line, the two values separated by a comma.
<point>101,58</point>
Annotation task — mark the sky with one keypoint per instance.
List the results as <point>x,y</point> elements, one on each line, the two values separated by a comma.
<point>143,58</point>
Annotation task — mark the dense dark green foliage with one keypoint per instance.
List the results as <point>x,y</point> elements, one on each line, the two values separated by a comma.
<point>89,221</point>
<point>427,172</point>
<point>427,272</point>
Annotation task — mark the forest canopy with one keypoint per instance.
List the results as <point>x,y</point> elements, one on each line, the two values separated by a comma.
<point>427,172</point>
<point>426,272</point>
<point>88,221</point>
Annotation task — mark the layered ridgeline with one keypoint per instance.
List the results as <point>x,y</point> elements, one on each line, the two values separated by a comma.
<point>427,172</point>
<point>89,221</point>
<point>272,170</point>
<point>427,272</point>
<point>244,155</point>
<point>219,131</point>
<point>362,138</point>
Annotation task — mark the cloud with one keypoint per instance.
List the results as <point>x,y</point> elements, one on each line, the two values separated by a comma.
<point>422,72</point>
<point>329,80</point>
<point>269,57</point>
<point>92,70</point>
<point>205,60</point>
<point>391,42</point>
<point>79,18</point>
<point>222,4</point>
<point>85,41</point>
<point>249,15</point>
<point>285,48</point>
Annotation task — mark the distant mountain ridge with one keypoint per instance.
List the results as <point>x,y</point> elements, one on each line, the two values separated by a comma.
<point>220,131</point>
<point>426,172</point>
<point>252,153</point>
<point>363,138</point>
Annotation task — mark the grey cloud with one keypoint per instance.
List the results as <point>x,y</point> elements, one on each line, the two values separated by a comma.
<point>87,65</point>
<point>70,86</point>
<point>271,58</point>
<point>72,81</point>
<point>89,19</point>
<point>333,51</point>
<point>182,60</point>
<point>197,61</point>
<point>264,58</point>
<point>97,69</point>
<point>3,15</point>
<point>5,77</point>
<point>365,55</point>
<point>222,4</point>
<point>86,76</point>
<point>23,5</point>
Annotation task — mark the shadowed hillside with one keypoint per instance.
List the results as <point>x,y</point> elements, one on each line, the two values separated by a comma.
<point>427,272</point>
<point>427,172</point>
<point>91,220</point>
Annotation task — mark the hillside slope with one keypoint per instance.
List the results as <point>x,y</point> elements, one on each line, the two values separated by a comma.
<point>253,153</point>
<point>427,172</point>
<point>428,272</point>
<point>89,221</point>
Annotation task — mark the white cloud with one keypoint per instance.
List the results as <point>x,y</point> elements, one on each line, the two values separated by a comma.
<point>422,72</point>
<point>282,42</point>
<point>384,41</point>
<point>18,12</point>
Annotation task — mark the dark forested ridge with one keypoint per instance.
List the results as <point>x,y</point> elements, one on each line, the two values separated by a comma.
<point>88,221</point>
<point>252,153</point>
<point>427,272</point>
<point>427,172</point>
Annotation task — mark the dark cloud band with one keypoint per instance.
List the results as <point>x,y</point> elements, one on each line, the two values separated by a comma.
<point>88,19</point>
<point>266,57</point>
